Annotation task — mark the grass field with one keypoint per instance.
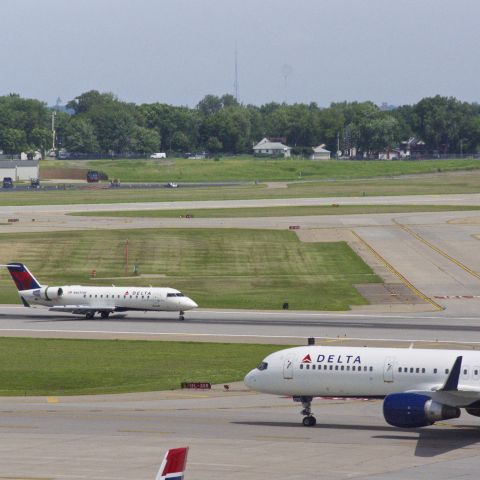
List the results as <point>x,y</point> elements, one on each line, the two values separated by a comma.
<point>279,211</point>
<point>250,169</point>
<point>31,366</point>
<point>437,184</point>
<point>258,269</point>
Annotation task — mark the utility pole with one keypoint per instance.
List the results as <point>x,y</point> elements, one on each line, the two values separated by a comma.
<point>338,145</point>
<point>54,113</point>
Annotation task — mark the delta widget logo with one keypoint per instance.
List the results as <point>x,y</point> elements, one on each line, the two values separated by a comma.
<point>307,359</point>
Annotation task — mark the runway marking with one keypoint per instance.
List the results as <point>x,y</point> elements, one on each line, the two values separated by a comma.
<point>157,432</point>
<point>392,269</point>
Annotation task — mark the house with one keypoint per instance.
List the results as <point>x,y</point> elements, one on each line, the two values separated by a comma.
<point>320,153</point>
<point>274,149</point>
<point>19,169</point>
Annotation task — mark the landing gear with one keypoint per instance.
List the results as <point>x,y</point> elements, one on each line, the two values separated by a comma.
<point>105,315</point>
<point>89,315</point>
<point>181,315</point>
<point>308,420</point>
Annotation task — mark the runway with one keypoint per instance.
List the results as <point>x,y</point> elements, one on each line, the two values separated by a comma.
<point>283,328</point>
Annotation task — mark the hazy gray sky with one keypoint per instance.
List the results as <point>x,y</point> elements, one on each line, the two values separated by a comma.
<point>177,51</point>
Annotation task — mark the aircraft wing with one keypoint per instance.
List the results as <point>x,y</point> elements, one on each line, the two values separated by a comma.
<point>80,309</point>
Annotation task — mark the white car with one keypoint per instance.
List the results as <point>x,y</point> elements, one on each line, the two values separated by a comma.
<point>158,155</point>
<point>172,185</point>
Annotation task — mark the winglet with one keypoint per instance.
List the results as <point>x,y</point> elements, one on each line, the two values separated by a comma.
<point>173,465</point>
<point>451,383</point>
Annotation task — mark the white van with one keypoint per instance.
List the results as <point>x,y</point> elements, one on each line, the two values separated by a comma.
<point>158,155</point>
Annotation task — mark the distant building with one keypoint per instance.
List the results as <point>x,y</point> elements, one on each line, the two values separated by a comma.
<point>275,149</point>
<point>320,153</point>
<point>19,169</point>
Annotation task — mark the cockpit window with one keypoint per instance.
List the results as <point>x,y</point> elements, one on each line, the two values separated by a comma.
<point>170,295</point>
<point>263,366</point>
<point>180,295</point>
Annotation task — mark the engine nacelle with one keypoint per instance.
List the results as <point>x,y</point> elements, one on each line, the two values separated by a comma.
<point>49,293</point>
<point>411,410</point>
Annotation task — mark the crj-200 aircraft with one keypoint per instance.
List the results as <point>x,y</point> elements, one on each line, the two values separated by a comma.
<point>90,300</point>
<point>419,386</point>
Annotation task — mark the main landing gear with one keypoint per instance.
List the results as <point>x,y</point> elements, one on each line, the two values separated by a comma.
<point>105,315</point>
<point>89,315</point>
<point>308,420</point>
<point>181,315</point>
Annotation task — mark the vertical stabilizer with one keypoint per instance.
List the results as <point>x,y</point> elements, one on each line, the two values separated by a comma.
<point>22,277</point>
<point>173,465</point>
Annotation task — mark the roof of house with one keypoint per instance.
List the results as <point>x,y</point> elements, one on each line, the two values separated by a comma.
<point>18,163</point>
<point>320,149</point>
<point>266,144</point>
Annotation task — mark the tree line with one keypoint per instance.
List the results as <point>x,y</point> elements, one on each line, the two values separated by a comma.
<point>101,123</point>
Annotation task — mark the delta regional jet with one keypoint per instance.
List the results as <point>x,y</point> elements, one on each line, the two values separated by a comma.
<point>90,300</point>
<point>173,465</point>
<point>419,386</point>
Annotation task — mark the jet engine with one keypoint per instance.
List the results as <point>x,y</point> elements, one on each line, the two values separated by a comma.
<point>411,410</point>
<point>49,293</point>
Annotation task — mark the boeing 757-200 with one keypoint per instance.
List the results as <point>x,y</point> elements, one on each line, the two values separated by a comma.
<point>419,386</point>
<point>89,300</point>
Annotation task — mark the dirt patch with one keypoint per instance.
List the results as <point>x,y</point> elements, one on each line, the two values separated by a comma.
<point>50,173</point>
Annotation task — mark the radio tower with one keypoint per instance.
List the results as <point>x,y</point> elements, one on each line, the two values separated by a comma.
<point>235,83</point>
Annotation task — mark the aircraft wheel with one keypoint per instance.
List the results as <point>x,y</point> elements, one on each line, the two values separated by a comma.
<point>309,421</point>
<point>105,315</point>
<point>181,317</point>
<point>90,315</point>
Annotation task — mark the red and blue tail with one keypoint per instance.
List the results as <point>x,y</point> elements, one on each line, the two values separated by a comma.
<point>22,277</point>
<point>173,465</point>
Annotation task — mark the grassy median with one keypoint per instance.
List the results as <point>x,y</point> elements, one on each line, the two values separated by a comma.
<point>30,366</point>
<point>296,211</point>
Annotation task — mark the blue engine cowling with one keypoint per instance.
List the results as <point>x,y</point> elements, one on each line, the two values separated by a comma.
<point>411,410</point>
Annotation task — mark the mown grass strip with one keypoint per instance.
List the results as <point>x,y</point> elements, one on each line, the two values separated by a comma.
<point>31,366</point>
<point>279,211</point>
<point>252,269</point>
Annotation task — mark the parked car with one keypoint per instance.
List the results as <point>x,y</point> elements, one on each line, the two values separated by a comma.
<point>34,183</point>
<point>172,185</point>
<point>92,176</point>
<point>158,155</point>
<point>7,182</point>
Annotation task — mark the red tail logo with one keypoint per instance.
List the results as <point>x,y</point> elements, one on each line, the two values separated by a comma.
<point>307,359</point>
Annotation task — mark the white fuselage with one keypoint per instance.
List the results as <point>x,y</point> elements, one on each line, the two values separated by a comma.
<point>360,372</point>
<point>114,298</point>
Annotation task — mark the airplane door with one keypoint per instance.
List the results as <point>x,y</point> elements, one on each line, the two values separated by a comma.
<point>288,369</point>
<point>388,369</point>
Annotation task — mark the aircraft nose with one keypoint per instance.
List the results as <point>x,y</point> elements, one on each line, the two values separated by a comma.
<point>250,379</point>
<point>188,303</point>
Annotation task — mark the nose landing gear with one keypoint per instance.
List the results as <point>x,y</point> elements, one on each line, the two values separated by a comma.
<point>308,420</point>
<point>181,315</point>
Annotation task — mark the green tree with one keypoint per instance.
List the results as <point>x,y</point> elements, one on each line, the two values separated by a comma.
<point>13,140</point>
<point>79,136</point>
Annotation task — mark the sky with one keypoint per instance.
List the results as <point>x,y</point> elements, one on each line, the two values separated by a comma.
<point>178,51</point>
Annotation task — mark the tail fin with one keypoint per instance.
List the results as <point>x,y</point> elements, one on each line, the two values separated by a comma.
<point>173,465</point>
<point>22,277</point>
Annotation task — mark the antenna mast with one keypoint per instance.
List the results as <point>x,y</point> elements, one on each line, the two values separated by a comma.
<point>235,83</point>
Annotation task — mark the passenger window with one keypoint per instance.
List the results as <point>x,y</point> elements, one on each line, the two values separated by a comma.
<point>331,367</point>
<point>371,369</point>
<point>447,370</point>
<point>411,370</point>
<point>342,368</point>
<point>405,370</point>
<point>307,366</point>
<point>417,370</point>
<point>399,369</point>
<point>423,370</point>
<point>313,367</point>
<point>336,367</point>
<point>301,366</point>
<point>348,368</point>
<point>364,369</point>
<point>434,370</point>
<point>353,368</point>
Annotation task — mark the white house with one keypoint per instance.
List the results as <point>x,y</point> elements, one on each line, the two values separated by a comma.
<point>19,169</point>
<point>266,147</point>
<point>320,153</point>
